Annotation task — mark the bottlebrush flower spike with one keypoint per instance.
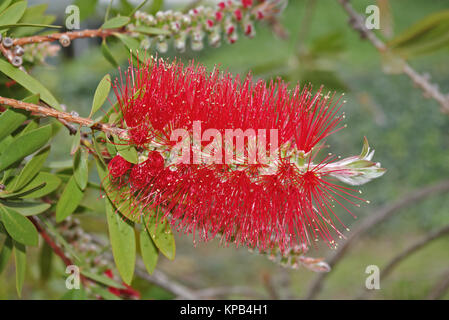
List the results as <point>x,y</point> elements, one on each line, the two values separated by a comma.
<point>235,158</point>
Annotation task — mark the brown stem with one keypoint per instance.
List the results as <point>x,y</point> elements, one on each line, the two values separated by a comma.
<point>357,22</point>
<point>388,269</point>
<point>61,115</point>
<point>373,219</point>
<point>87,33</point>
<point>56,249</point>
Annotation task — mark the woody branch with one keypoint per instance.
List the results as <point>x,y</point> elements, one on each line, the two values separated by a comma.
<point>61,115</point>
<point>421,81</point>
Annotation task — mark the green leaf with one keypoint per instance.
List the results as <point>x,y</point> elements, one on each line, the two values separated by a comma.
<point>69,201</point>
<point>124,205</point>
<point>10,120</point>
<point>27,208</point>
<point>101,94</point>
<point>108,54</point>
<point>132,44</point>
<point>45,261</point>
<point>151,30</point>
<point>123,242</point>
<point>20,259</point>
<point>116,22</point>
<point>5,5</point>
<point>32,25</point>
<point>6,252</point>
<point>156,6</point>
<point>80,168</point>
<point>128,152</point>
<point>102,279</point>
<point>148,251</point>
<point>161,235</point>
<point>137,8</point>
<point>110,147</point>
<point>105,294</point>
<point>29,83</point>
<point>25,145</point>
<point>75,294</point>
<point>33,15</point>
<point>4,144</point>
<point>19,228</point>
<point>76,142</point>
<point>32,125</point>
<point>13,13</point>
<point>43,184</point>
<point>87,8</point>
<point>419,28</point>
<point>31,169</point>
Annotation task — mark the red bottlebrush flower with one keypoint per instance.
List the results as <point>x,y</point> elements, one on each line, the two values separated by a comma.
<point>218,16</point>
<point>230,29</point>
<point>247,3</point>
<point>285,201</point>
<point>118,166</point>
<point>238,14</point>
<point>210,23</point>
<point>222,5</point>
<point>142,173</point>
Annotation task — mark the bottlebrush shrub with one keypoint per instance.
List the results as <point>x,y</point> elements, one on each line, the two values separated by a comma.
<point>284,203</point>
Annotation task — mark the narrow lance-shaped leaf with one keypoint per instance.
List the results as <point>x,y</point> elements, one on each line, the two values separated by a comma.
<point>19,228</point>
<point>108,54</point>
<point>41,185</point>
<point>123,242</point>
<point>27,208</point>
<point>69,201</point>
<point>45,261</point>
<point>76,142</point>
<point>80,168</point>
<point>102,279</point>
<point>29,83</point>
<point>25,145</point>
<point>5,253</point>
<point>116,22</point>
<point>149,251</point>
<point>20,261</point>
<point>104,293</point>
<point>101,94</point>
<point>31,169</point>
<point>10,120</point>
<point>13,13</point>
<point>161,235</point>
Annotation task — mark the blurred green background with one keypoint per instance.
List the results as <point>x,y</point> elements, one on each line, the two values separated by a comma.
<point>408,132</point>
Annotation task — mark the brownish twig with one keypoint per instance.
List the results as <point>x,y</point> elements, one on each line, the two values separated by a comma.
<point>429,89</point>
<point>71,35</point>
<point>61,115</point>
<point>388,269</point>
<point>56,249</point>
<point>377,217</point>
